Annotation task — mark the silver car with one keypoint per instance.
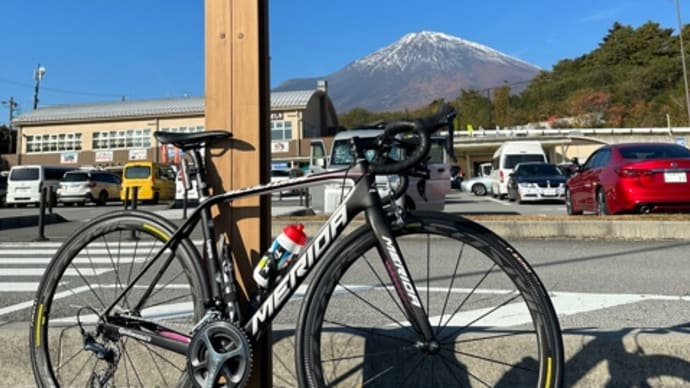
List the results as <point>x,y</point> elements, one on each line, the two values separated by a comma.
<point>81,187</point>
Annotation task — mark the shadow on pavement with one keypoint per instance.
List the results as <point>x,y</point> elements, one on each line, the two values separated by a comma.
<point>29,221</point>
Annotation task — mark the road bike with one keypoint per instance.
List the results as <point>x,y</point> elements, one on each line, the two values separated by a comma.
<point>407,299</point>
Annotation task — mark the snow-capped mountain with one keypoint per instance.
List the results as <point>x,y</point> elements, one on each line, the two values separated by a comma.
<point>415,70</point>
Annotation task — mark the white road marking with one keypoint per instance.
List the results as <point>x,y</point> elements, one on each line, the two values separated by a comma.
<point>19,287</point>
<point>39,271</point>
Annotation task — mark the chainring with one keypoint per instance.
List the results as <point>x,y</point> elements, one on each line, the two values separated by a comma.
<point>219,351</point>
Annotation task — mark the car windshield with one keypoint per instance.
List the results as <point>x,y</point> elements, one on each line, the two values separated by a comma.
<point>24,174</point>
<point>343,156</point>
<point>538,170</point>
<point>654,151</point>
<point>512,160</point>
<point>280,173</point>
<point>137,172</point>
<point>75,177</point>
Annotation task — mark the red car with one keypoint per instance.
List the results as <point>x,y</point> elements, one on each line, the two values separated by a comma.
<point>631,177</point>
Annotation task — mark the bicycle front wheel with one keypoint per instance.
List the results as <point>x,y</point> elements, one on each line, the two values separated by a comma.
<point>492,320</point>
<point>69,344</point>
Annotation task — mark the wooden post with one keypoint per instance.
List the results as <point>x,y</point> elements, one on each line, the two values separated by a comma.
<point>238,99</point>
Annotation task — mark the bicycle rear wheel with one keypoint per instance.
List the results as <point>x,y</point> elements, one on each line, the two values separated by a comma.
<point>491,317</point>
<point>67,342</point>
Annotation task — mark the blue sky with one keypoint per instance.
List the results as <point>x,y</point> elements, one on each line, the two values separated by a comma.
<point>101,51</point>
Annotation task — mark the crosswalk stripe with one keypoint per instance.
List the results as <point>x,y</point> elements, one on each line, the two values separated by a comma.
<point>18,286</point>
<point>46,260</point>
<point>39,271</point>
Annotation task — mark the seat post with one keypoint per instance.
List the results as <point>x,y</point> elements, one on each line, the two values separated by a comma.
<point>200,172</point>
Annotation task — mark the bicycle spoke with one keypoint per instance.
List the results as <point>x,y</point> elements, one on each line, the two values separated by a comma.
<point>448,364</point>
<point>376,308</point>
<point>380,280</point>
<point>93,270</point>
<point>491,311</point>
<point>89,286</point>
<point>116,268</point>
<point>367,331</point>
<point>493,361</point>
<point>161,288</point>
<point>411,371</point>
<point>428,273</point>
<point>450,288</point>
<point>158,369</point>
<point>486,338</point>
<point>163,302</point>
<point>79,371</point>
<point>125,352</point>
<point>469,295</point>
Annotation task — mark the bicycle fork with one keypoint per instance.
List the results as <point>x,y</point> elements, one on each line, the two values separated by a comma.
<point>399,274</point>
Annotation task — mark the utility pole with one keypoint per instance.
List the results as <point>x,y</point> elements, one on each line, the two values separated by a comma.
<point>682,57</point>
<point>12,105</point>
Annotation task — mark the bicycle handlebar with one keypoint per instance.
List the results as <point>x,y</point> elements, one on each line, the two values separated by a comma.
<point>424,128</point>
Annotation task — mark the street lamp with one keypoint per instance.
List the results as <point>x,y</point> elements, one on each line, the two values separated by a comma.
<point>38,76</point>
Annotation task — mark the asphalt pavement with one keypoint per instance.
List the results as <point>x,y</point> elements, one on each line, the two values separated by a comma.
<point>15,370</point>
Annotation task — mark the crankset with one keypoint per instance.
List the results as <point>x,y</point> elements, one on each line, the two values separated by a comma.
<point>220,355</point>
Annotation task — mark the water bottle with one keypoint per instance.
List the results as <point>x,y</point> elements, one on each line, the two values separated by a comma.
<point>283,249</point>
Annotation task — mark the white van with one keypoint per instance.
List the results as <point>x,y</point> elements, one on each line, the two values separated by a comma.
<point>507,156</point>
<point>24,183</point>
<point>437,185</point>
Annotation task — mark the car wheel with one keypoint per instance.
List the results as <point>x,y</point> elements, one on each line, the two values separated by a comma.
<point>102,198</point>
<point>602,207</point>
<point>479,189</point>
<point>569,204</point>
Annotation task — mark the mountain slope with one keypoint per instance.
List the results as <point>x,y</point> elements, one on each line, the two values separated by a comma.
<point>415,70</point>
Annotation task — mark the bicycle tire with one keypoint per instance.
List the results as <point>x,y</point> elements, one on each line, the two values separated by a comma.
<point>490,313</point>
<point>79,281</point>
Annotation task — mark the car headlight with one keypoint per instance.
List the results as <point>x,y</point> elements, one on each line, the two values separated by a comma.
<point>527,185</point>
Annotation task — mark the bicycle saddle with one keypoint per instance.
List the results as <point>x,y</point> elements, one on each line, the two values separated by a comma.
<point>188,141</point>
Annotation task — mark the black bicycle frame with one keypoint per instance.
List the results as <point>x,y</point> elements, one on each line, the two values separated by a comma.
<point>363,197</point>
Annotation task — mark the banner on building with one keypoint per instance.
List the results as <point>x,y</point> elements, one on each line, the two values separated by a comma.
<point>137,154</point>
<point>104,156</point>
<point>69,158</point>
<point>280,147</point>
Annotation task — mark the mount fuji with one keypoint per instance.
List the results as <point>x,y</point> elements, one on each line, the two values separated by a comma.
<point>417,69</point>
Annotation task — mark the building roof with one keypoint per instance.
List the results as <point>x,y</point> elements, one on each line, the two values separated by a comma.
<point>182,106</point>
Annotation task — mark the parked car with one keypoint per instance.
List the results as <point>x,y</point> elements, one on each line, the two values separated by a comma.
<point>181,188</point>
<point>509,154</point>
<point>280,174</point>
<point>536,181</point>
<point>153,181</point>
<point>456,177</point>
<point>631,177</point>
<point>481,184</point>
<point>79,187</point>
<point>3,190</point>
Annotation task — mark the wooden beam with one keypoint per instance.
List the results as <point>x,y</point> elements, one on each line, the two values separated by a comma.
<point>238,99</point>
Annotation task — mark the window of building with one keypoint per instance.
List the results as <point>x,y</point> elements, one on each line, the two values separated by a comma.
<point>53,143</point>
<point>198,128</point>
<point>123,139</point>
<point>281,130</point>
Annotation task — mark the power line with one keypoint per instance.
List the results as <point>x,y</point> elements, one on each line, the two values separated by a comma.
<point>63,91</point>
